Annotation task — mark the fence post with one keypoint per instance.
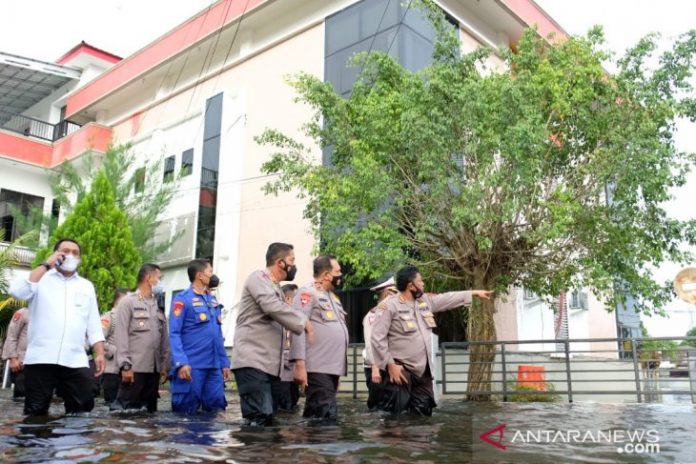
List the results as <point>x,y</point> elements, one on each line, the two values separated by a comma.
<point>636,370</point>
<point>569,382</point>
<point>6,375</point>
<point>444,369</point>
<point>691,362</point>
<point>502,360</point>
<point>355,372</point>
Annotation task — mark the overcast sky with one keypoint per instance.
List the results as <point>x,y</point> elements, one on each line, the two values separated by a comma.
<point>46,29</point>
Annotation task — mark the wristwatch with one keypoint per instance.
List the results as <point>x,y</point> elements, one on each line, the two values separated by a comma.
<point>126,367</point>
<point>46,265</point>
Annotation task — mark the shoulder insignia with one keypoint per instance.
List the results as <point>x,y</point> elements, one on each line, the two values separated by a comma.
<point>371,318</point>
<point>178,307</point>
<point>305,298</point>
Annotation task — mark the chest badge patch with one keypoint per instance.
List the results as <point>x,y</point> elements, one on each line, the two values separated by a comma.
<point>203,317</point>
<point>141,324</point>
<point>305,298</point>
<point>330,315</point>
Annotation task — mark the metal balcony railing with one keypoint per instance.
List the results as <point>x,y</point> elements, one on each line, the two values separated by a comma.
<point>32,127</point>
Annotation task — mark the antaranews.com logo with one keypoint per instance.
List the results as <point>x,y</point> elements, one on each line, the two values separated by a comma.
<point>626,441</point>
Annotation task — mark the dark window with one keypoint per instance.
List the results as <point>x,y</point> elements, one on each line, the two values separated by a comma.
<point>376,25</point>
<point>187,162</point>
<point>139,180</point>
<point>169,168</point>
<point>15,206</point>
<point>55,215</point>
<point>207,205</point>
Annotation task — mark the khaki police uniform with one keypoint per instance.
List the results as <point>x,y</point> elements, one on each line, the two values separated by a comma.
<point>16,347</point>
<point>260,345</point>
<point>141,337</point>
<point>325,359</point>
<point>110,379</point>
<point>402,335</point>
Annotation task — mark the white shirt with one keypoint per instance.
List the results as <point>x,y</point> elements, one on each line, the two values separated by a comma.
<point>62,310</point>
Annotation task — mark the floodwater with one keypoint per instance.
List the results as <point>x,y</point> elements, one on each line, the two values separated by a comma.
<point>531,433</point>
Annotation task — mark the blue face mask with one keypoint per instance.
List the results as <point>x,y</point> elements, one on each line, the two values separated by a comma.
<point>158,289</point>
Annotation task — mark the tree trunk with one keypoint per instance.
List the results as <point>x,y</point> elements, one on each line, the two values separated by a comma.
<point>481,327</point>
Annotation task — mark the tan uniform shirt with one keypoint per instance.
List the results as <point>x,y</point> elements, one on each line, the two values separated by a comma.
<point>327,355</point>
<point>368,323</point>
<point>108,323</point>
<point>402,329</point>
<point>259,338</point>
<point>141,334</point>
<point>16,339</point>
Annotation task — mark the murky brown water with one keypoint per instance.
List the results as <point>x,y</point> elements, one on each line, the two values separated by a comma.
<point>450,436</point>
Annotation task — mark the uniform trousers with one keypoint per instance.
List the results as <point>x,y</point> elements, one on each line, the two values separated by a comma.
<point>416,396</point>
<point>74,385</point>
<point>258,395</point>
<point>320,402</point>
<point>205,390</point>
<point>143,391</point>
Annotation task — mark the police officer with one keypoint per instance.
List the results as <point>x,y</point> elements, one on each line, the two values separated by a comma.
<point>384,288</point>
<point>289,393</point>
<point>200,366</point>
<point>14,349</point>
<point>321,364</point>
<point>142,346</point>
<point>259,338</point>
<point>401,341</point>
<point>110,380</point>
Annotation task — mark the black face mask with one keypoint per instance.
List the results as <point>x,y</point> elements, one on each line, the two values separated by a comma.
<point>290,271</point>
<point>214,281</point>
<point>417,293</point>
<point>337,282</point>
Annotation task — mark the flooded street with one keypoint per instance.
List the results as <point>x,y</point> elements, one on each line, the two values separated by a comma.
<point>450,436</point>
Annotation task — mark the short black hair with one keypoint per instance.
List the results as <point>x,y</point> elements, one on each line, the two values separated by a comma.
<point>145,270</point>
<point>276,251</point>
<point>195,266</point>
<point>405,276</point>
<point>66,239</point>
<point>287,288</point>
<point>118,294</point>
<point>322,264</point>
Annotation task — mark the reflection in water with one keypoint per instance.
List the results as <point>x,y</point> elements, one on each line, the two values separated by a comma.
<point>450,436</point>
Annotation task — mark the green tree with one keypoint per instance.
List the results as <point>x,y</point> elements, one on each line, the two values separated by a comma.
<point>143,210</point>
<point>110,259</point>
<point>8,260</point>
<point>550,174</point>
<point>690,333</point>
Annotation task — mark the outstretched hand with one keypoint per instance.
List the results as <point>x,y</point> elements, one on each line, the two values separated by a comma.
<point>483,294</point>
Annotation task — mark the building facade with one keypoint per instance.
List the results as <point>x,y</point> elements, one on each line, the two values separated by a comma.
<point>197,96</point>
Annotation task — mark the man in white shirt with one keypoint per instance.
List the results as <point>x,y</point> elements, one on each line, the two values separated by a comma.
<point>62,309</point>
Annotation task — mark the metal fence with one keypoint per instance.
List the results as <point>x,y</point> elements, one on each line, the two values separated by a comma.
<point>661,369</point>
<point>32,127</point>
